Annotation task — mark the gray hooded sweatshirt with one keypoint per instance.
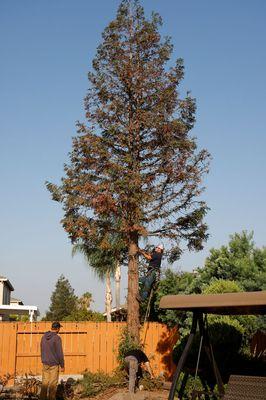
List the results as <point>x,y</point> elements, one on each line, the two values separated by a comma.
<point>51,349</point>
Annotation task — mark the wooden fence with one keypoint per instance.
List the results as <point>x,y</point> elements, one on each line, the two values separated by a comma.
<point>87,346</point>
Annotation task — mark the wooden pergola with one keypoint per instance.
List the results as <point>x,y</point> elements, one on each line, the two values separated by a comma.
<point>243,303</point>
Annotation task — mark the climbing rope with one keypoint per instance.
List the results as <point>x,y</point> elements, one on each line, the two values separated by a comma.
<point>148,309</point>
<point>199,354</point>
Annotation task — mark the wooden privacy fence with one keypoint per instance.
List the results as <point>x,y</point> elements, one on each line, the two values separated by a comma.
<point>87,346</point>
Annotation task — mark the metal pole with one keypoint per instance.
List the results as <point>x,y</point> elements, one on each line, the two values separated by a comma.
<point>183,357</point>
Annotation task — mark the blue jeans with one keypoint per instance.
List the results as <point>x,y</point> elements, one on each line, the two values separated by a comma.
<point>147,284</point>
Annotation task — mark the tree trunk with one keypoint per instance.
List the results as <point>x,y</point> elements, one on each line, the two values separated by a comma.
<point>117,284</point>
<point>133,290</point>
<point>108,297</point>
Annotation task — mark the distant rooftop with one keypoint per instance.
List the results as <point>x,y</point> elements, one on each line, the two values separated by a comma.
<point>18,301</point>
<point>4,279</point>
<point>32,311</point>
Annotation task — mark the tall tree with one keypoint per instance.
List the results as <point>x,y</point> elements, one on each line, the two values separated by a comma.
<point>63,301</point>
<point>134,168</point>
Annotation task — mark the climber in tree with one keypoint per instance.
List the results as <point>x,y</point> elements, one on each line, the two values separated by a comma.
<point>153,272</point>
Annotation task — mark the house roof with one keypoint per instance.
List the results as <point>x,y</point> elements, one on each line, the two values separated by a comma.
<point>32,311</point>
<point>18,301</point>
<point>7,282</point>
<point>225,304</point>
<point>114,310</point>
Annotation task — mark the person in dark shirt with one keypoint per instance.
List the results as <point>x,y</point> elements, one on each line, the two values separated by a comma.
<point>153,273</point>
<point>52,358</point>
<point>133,362</point>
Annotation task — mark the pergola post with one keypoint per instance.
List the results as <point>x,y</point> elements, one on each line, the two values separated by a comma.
<point>196,321</point>
<point>183,357</point>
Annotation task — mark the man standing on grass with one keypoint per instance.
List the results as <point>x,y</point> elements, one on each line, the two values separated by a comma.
<point>52,358</point>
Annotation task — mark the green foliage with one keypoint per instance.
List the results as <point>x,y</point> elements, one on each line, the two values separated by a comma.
<point>224,333</point>
<point>85,315</point>
<point>239,261</point>
<point>222,286</point>
<point>239,266</point>
<point>126,343</point>
<point>84,302</point>
<point>226,338</point>
<point>66,306</point>
<point>63,301</point>
<point>22,318</point>
<point>101,260</point>
<point>150,384</point>
<point>247,324</point>
<point>95,383</point>
<point>172,283</point>
<point>196,384</point>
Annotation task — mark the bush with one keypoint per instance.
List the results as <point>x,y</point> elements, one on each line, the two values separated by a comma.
<point>222,286</point>
<point>95,383</point>
<point>85,315</point>
<point>126,343</point>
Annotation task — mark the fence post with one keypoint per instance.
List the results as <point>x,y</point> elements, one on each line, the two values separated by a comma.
<point>14,346</point>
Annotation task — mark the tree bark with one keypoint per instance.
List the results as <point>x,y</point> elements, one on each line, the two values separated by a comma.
<point>133,290</point>
<point>108,297</point>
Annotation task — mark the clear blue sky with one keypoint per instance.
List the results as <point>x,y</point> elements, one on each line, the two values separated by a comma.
<point>46,48</point>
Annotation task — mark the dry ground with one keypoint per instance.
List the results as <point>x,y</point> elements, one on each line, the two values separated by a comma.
<point>123,394</point>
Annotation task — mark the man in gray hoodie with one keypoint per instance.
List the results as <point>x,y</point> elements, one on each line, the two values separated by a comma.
<point>52,358</point>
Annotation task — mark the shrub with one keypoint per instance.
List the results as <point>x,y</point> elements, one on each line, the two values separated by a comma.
<point>95,383</point>
<point>126,343</point>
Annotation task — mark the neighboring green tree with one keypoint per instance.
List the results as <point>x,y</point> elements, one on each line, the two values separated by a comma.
<point>239,261</point>
<point>84,302</point>
<point>134,168</point>
<point>63,301</point>
<point>82,311</point>
<point>238,266</point>
<point>230,335</point>
<point>222,286</point>
<point>66,306</point>
<point>173,283</point>
<point>22,318</point>
<point>85,315</point>
<point>248,323</point>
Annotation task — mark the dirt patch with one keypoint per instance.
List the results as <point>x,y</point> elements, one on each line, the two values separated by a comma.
<point>123,394</point>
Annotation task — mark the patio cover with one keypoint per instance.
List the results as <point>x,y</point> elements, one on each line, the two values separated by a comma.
<point>32,311</point>
<point>226,304</point>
